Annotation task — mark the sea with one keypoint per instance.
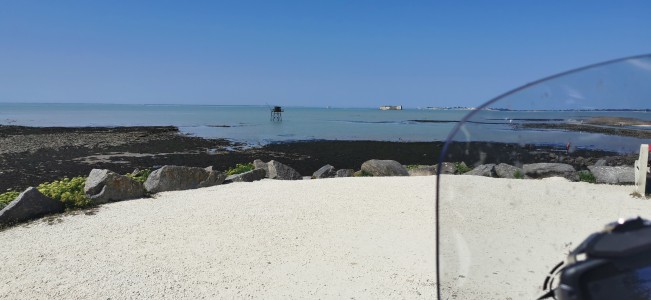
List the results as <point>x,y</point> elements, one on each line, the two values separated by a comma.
<point>252,125</point>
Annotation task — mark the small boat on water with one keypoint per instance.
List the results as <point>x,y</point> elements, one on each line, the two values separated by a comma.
<point>391,107</point>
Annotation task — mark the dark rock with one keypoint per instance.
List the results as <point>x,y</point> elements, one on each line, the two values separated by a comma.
<point>283,172</point>
<point>508,171</point>
<point>326,171</point>
<point>613,175</point>
<point>422,171</point>
<point>30,204</point>
<point>543,170</point>
<point>250,176</point>
<point>176,178</point>
<point>377,167</point>
<point>103,186</point>
<point>258,164</point>
<point>345,173</point>
<point>487,170</point>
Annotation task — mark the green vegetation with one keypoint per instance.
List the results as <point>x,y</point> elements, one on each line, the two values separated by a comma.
<point>518,175</point>
<point>362,174</point>
<point>586,176</point>
<point>70,191</point>
<point>461,167</point>
<point>140,176</point>
<point>7,197</point>
<point>240,168</point>
<point>411,167</point>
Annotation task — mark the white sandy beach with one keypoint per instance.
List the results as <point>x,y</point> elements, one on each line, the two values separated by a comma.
<point>338,238</point>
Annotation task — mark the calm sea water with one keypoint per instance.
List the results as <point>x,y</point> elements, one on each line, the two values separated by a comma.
<point>252,125</point>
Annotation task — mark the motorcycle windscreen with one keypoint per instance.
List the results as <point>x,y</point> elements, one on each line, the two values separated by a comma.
<point>534,154</point>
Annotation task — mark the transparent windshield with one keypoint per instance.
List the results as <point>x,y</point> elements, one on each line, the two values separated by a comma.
<point>529,175</point>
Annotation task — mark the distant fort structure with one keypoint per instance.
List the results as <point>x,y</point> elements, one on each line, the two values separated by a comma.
<point>391,107</point>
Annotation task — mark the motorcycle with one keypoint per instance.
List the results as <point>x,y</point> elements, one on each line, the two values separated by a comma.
<point>553,138</point>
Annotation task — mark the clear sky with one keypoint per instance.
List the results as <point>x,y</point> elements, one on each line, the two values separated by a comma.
<point>308,53</point>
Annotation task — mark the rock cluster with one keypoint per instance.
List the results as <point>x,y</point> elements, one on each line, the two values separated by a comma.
<point>104,186</point>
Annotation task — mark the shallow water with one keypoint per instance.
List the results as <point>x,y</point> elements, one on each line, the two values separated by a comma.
<point>252,125</point>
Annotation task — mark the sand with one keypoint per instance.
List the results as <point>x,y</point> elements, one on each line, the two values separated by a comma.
<point>338,238</point>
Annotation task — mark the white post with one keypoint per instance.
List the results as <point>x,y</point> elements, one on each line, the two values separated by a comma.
<point>641,169</point>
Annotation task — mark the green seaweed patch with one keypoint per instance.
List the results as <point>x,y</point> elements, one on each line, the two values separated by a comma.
<point>240,168</point>
<point>70,191</point>
<point>461,167</point>
<point>587,176</point>
<point>140,176</point>
<point>7,197</point>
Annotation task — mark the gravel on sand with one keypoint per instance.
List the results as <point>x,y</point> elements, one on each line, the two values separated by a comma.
<point>327,238</point>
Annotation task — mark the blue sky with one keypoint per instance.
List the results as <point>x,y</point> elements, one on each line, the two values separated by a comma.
<point>307,53</point>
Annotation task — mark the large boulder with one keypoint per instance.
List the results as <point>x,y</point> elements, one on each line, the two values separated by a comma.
<point>282,172</point>
<point>378,167</point>
<point>422,171</point>
<point>613,175</point>
<point>345,173</point>
<point>103,186</point>
<point>326,171</point>
<point>543,170</point>
<point>487,170</point>
<point>508,171</point>
<point>258,164</point>
<point>250,176</point>
<point>30,204</point>
<point>176,178</point>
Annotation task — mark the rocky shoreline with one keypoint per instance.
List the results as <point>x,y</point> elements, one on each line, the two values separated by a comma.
<point>102,185</point>
<point>33,155</point>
